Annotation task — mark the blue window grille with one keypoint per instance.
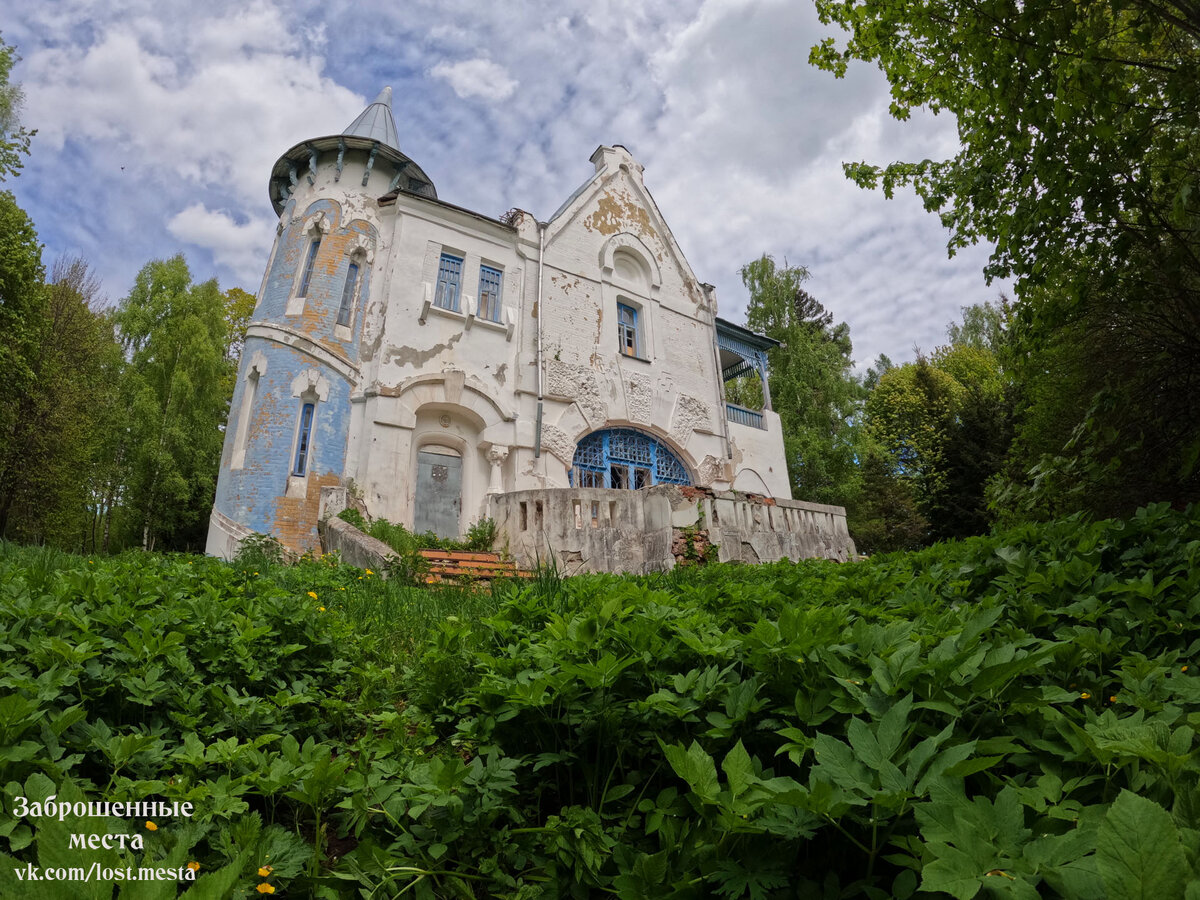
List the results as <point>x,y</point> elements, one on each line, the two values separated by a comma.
<point>627,330</point>
<point>308,268</point>
<point>489,293</point>
<point>348,292</point>
<point>448,282</point>
<point>624,458</point>
<point>302,442</point>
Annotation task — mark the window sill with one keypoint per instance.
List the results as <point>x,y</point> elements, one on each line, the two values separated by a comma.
<point>494,326</point>
<point>640,359</point>
<point>297,486</point>
<point>427,307</point>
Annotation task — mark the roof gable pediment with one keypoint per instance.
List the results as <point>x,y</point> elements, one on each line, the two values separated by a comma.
<point>613,212</point>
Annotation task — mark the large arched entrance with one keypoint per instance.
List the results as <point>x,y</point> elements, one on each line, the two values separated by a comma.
<point>625,459</point>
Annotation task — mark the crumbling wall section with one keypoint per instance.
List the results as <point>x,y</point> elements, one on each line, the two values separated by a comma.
<point>652,530</point>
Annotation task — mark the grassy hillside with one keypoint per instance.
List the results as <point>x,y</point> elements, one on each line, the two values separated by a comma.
<point>1010,716</point>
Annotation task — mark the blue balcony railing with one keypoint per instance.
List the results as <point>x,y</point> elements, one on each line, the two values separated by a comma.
<point>743,416</point>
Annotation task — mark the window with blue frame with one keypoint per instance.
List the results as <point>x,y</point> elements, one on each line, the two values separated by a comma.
<point>303,439</point>
<point>449,282</point>
<point>489,293</point>
<point>309,263</point>
<point>348,293</point>
<point>625,459</point>
<point>627,331</point>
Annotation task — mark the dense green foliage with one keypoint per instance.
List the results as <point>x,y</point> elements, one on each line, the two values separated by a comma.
<point>1079,127</point>
<point>480,537</point>
<point>1006,715</point>
<point>174,335</point>
<point>111,423</point>
<point>941,426</point>
<point>52,453</point>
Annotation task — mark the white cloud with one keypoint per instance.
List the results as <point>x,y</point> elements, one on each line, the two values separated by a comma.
<point>237,246</point>
<point>476,78</point>
<point>742,140</point>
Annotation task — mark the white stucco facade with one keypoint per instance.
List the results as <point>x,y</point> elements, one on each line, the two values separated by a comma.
<point>363,359</point>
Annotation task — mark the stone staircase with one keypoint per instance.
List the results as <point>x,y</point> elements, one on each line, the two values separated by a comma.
<point>455,565</point>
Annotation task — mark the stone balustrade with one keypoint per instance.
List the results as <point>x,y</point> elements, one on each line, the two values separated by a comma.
<point>651,530</point>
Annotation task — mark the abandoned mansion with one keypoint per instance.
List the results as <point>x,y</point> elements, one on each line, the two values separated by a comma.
<point>437,366</point>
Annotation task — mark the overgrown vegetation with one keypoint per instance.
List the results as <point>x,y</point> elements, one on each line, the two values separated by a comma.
<point>480,538</point>
<point>1003,715</point>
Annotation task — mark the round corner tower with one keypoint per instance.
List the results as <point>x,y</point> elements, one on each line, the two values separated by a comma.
<point>301,366</point>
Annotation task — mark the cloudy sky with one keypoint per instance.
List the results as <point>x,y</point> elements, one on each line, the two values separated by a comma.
<point>158,123</point>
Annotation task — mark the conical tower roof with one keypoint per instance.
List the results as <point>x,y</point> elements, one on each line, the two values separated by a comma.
<point>373,131</point>
<point>376,121</point>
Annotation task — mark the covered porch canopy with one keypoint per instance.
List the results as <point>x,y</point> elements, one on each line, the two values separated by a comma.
<point>741,352</point>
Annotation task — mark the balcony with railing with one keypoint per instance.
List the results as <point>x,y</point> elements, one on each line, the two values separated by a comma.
<point>742,416</point>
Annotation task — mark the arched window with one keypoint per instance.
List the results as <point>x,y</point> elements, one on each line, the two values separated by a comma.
<point>624,458</point>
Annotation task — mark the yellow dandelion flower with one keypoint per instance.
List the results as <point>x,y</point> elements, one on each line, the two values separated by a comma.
<point>360,578</point>
<point>194,866</point>
<point>1085,696</point>
<point>264,871</point>
<point>150,826</point>
<point>265,888</point>
<point>255,573</point>
<point>369,572</point>
<point>313,594</point>
<point>1183,668</point>
<point>320,609</point>
<point>1112,699</point>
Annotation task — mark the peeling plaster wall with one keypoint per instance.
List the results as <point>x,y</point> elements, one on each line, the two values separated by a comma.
<point>609,246</point>
<point>256,496</point>
<point>406,373</point>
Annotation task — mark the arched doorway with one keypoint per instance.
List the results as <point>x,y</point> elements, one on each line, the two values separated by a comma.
<point>625,459</point>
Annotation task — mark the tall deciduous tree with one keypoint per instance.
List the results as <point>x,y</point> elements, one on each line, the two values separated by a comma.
<point>812,387</point>
<point>945,423</point>
<point>1079,127</point>
<point>60,416</point>
<point>14,140</point>
<point>175,336</point>
<point>22,305</point>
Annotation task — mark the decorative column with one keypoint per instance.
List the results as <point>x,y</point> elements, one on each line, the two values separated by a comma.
<point>496,455</point>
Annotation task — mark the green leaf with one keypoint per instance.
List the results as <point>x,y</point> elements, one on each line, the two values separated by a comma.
<point>953,872</point>
<point>1138,853</point>
<point>696,768</point>
<point>738,769</point>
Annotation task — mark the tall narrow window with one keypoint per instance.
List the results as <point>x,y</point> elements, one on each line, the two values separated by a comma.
<point>308,268</point>
<point>627,330</point>
<point>348,293</point>
<point>303,440</point>
<point>449,280</point>
<point>489,293</point>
